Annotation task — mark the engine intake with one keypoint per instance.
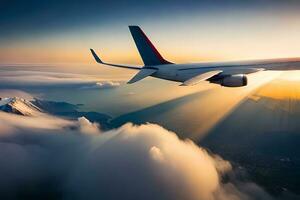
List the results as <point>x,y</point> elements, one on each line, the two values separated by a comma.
<point>237,80</point>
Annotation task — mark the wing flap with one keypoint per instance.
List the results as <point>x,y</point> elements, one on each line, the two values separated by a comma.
<point>143,73</point>
<point>201,77</point>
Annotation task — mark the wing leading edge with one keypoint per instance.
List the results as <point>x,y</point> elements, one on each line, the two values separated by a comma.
<point>98,60</point>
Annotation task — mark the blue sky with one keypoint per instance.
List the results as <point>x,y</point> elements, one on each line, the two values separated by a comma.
<point>58,31</point>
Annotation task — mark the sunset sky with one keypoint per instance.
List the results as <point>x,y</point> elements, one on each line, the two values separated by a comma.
<point>72,128</point>
<point>62,32</point>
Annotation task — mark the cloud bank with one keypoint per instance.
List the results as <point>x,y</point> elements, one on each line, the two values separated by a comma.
<point>19,78</point>
<point>76,160</point>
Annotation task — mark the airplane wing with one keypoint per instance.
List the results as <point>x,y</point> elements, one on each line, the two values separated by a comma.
<point>229,74</point>
<point>143,73</point>
<point>98,60</point>
<point>201,77</point>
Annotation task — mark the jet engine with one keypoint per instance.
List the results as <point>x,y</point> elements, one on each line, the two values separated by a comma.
<point>237,80</point>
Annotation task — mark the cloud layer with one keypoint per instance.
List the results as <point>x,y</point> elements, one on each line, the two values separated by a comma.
<point>20,78</point>
<point>76,160</point>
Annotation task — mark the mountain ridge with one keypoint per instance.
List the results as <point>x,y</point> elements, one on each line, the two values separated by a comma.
<point>20,106</point>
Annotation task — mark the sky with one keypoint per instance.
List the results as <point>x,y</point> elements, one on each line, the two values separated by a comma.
<point>184,31</point>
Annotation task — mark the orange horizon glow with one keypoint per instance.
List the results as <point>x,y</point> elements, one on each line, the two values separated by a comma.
<point>52,56</point>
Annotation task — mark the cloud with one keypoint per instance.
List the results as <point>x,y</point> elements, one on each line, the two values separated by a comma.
<point>88,127</point>
<point>40,122</point>
<point>35,77</point>
<point>65,159</point>
<point>102,85</point>
<point>147,161</point>
<point>15,93</point>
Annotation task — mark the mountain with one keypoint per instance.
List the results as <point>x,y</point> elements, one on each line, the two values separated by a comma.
<point>19,106</point>
<point>70,111</point>
<point>54,107</point>
<point>36,107</point>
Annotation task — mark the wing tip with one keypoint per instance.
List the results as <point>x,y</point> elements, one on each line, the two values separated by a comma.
<point>98,60</point>
<point>133,26</point>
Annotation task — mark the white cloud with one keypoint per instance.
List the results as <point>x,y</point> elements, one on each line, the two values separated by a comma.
<point>88,127</point>
<point>130,162</point>
<point>40,122</point>
<point>102,85</point>
<point>107,84</point>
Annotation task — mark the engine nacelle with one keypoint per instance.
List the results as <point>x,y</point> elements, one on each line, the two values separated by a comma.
<point>237,80</point>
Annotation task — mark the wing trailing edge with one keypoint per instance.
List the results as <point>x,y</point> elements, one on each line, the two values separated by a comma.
<point>201,77</point>
<point>143,73</point>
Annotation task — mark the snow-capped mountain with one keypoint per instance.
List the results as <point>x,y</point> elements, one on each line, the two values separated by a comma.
<point>19,106</point>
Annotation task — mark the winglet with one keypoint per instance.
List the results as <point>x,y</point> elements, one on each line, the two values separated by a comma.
<point>98,60</point>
